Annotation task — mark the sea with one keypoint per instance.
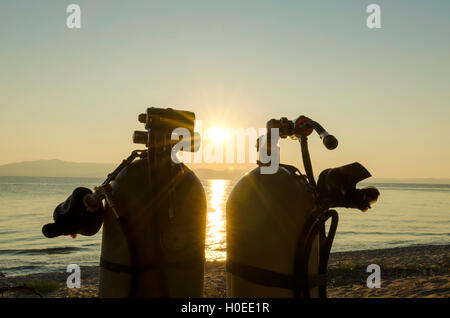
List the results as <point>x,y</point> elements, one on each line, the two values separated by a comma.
<point>405,215</point>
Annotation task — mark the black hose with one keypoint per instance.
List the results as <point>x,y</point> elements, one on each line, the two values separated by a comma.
<point>307,160</point>
<point>329,141</point>
<point>313,228</point>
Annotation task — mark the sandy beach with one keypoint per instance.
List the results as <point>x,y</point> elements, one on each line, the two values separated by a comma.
<point>421,271</point>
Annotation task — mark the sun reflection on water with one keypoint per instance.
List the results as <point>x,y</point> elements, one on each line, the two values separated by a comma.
<point>217,191</point>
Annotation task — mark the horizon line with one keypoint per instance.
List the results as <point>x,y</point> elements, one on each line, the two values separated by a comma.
<point>188,164</point>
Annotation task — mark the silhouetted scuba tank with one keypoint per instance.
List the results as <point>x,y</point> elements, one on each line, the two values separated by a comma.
<point>154,216</point>
<point>167,237</point>
<point>277,244</point>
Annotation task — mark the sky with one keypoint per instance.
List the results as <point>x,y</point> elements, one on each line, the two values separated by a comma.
<point>74,94</point>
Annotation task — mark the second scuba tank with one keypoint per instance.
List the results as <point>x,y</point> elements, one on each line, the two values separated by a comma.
<point>265,215</point>
<point>277,243</point>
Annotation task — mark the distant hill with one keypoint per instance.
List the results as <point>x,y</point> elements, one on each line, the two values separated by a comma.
<point>60,168</point>
<point>408,180</point>
<point>56,168</point>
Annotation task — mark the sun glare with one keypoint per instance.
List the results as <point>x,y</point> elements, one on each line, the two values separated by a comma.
<point>215,237</point>
<point>217,134</point>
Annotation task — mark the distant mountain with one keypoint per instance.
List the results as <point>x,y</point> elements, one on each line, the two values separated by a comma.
<point>56,168</point>
<point>408,180</point>
<point>60,168</point>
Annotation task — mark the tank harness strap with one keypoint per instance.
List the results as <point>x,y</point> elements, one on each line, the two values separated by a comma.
<point>121,268</point>
<point>270,278</point>
<point>300,282</point>
<point>130,244</point>
<point>314,228</point>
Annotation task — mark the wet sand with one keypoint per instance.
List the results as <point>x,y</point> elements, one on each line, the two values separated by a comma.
<point>421,271</point>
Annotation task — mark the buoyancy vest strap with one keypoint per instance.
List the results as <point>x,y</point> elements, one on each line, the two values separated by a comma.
<point>314,227</point>
<point>121,268</point>
<point>132,249</point>
<point>326,243</point>
<point>269,278</point>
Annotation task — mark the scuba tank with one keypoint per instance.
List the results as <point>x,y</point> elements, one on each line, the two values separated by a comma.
<point>154,216</point>
<point>277,244</point>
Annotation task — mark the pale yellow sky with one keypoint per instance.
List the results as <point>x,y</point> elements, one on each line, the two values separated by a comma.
<point>75,94</point>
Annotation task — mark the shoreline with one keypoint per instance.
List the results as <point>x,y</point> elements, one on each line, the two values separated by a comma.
<point>415,271</point>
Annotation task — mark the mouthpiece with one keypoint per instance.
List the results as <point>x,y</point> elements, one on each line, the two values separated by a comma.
<point>50,230</point>
<point>330,142</point>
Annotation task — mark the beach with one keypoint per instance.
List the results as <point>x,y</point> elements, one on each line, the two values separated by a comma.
<point>418,271</point>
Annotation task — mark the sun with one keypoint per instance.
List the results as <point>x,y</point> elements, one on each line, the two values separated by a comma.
<point>216,134</point>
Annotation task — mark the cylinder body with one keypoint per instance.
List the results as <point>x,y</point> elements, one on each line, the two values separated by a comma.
<point>166,225</point>
<point>265,216</point>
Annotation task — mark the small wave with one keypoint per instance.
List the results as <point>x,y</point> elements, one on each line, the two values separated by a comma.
<point>394,233</point>
<point>400,242</point>
<point>8,232</point>
<point>92,244</point>
<point>39,251</point>
<point>411,186</point>
<point>21,270</point>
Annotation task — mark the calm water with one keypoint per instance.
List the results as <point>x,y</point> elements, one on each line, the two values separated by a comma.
<point>406,214</point>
